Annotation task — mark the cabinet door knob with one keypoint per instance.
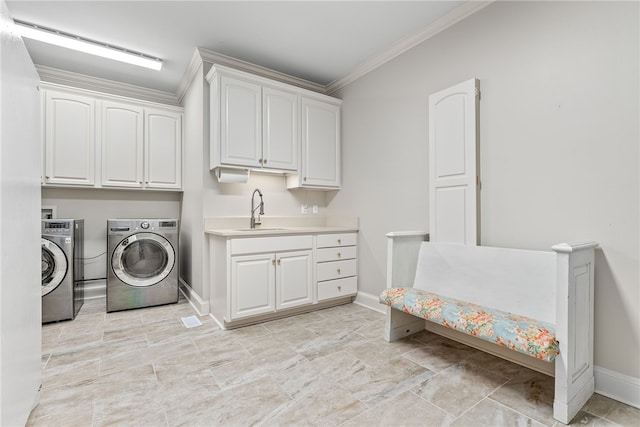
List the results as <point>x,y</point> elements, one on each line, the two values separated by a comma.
<point>278,262</point>
<point>264,160</point>
<point>273,261</point>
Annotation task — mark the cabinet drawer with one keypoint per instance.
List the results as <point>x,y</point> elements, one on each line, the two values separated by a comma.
<point>337,288</point>
<point>340,239</point>
<point>336,254</point>
<point>270,244</point>
<point>337,269</point>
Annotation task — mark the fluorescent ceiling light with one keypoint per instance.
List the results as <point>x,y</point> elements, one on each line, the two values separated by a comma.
<point>71,41</point>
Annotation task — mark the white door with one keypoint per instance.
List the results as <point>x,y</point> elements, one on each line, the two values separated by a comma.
<point>240,122</point>
<point>122,144</point>
<point>453,179</point>
<point>294,284</point>
<point>163,149</point>
<point>280,129</point>
<point>253,282</point>
<point>69,139</point>
<point>320,144</point>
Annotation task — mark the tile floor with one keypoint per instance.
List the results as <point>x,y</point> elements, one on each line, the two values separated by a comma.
<point>325,368</point>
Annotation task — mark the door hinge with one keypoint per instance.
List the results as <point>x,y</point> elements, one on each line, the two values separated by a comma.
<point>476,92</point>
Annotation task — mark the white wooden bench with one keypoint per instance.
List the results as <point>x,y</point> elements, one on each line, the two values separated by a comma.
<point>482,296</point>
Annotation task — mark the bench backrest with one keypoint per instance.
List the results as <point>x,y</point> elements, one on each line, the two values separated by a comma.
<point>513,280</point>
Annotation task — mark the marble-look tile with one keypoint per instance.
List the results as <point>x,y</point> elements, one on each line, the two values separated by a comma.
<point>96,350</point>
<point>599,405</point>
<point>406,409</point>
<point>440,354</point>
<point>331,367</point>
<point>64,414</point>
<point>378,351</point>
<point>624,415</point>
<point>236,406</point>
<point>70,374</point>
<point>531,396</point>
<point>298,321</point>
<point>330,406</point>
<point>373,385</point>
<point>255,368</point>
<point>324,345</point>
<point>459,387</point>
<point>586,419</point>
<point>491,414</point>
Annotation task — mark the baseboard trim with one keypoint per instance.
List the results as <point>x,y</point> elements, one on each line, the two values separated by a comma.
<point>370,301</point>
<point>617,386</point>
<point>198,304</point>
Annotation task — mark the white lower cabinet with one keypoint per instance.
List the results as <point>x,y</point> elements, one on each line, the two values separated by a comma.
<point>253,278</point>
<point>264,283</point>
<point>337,265</point>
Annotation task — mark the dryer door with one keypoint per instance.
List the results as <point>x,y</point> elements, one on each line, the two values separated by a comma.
<point>143,259</point>
<point>54,266</point>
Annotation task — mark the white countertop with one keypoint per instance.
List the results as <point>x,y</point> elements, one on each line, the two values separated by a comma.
<point>279,226</point>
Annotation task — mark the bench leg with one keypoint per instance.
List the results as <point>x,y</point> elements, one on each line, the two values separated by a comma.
<point>400,324</point>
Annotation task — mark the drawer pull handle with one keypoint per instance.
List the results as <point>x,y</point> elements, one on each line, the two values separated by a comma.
<point>338,271</point>
<point>339,288</point>
<point>339,241</point>
<point>339,255</point>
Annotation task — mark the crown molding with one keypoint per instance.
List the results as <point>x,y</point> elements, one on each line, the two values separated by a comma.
<point>189,74</point>
<point>451,18</point>
<point>96,84</point>
<point>238,64</point>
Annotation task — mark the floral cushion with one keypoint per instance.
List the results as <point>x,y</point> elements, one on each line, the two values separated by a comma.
<point>523,334</point>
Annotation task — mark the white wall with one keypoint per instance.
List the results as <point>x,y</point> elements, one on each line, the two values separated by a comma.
<point>20,296</point>
<point>96,206</point>
<point>559,132</point>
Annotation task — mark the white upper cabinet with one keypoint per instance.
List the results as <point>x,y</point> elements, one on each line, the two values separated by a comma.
<point>69,139</point>
<point>320,166</point>
<point>122,145</point>
<point>253,124</point>
<point>261,124</point>
<point>101,141</point>
<point>162,149</point>
<point>280,129</point>
<point>240,131</point>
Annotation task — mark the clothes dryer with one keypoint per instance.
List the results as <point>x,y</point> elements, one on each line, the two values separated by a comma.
<point>62,268</point>
<point>142,263</point>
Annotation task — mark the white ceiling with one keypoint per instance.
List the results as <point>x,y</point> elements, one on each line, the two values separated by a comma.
<point>319,41</point>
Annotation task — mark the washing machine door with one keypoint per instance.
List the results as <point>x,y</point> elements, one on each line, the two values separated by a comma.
<point>143,259</point>
<point>54,266</point>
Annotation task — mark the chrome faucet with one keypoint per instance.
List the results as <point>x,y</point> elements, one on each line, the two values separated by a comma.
<point>253,209</point>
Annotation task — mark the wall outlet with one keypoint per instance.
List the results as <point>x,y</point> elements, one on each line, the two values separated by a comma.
<point>314,209</point>
<point>303,209</point>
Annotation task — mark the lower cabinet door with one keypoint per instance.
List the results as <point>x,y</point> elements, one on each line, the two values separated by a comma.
<point>294,282</point>
<point>253,281</point>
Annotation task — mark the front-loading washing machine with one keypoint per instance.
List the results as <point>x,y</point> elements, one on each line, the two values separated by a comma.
<point>62,268</point>
<point>142,263</point>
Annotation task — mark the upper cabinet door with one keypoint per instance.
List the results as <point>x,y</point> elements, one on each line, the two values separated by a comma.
<point>453,180</point>
<point>69,139</point>
<point>240,122</point>
<point>122,144</point>
<point>280,129</point>
<point>163,149</point>
<point>320,144</point>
